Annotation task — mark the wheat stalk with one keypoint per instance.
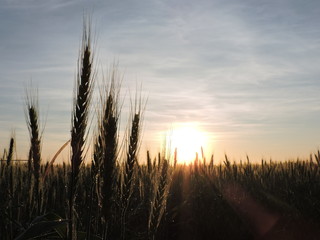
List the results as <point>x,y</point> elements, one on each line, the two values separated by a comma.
<point>159,203</point>
<point>149,163</point>
<point>32,118</point>
<point>131,162</point>
<point>84,86</point>
<point>107,149</point>
<point>131,156</point>
<point>10,152</point>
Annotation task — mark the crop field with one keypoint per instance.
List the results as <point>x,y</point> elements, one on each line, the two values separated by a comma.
<point>117,196</point>
<point>199,201</point>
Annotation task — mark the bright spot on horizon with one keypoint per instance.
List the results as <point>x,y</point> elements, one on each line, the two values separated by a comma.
<point>188,140</point>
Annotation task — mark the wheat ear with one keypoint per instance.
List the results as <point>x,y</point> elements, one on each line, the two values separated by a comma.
<point>159,203</point>
<point>108,131</point>
<point>32,116</point>
<point>83,93</point>
<point>10,152</point>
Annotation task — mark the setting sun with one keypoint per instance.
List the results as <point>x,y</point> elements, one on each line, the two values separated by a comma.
<point>188,140</point>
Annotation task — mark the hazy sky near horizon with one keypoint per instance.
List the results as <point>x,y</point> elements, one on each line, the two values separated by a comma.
<point>246,72</point>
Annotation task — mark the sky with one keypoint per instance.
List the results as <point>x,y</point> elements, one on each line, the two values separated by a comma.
<point>246,73</point>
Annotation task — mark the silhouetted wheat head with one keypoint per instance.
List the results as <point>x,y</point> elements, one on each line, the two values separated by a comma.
<point>131,157</point>
<point>106,148</point>
<point>159,202</point>
<point>134,135</point>
<point>131,169</point>
<point>10,152</point>
<point>32,118</point>
<point>83,94</point>
<point>82,102</point>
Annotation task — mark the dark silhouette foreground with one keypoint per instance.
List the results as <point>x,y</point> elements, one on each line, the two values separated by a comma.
<point>264,223</point>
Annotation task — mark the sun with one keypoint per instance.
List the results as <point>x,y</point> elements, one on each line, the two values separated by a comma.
<point>187,139</point>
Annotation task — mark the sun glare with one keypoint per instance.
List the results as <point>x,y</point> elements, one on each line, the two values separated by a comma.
<point>188,140</point>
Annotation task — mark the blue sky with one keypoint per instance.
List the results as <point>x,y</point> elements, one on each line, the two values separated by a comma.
<point>245,71</point>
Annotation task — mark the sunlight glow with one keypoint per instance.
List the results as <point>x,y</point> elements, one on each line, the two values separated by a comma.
<point>188,139</point>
